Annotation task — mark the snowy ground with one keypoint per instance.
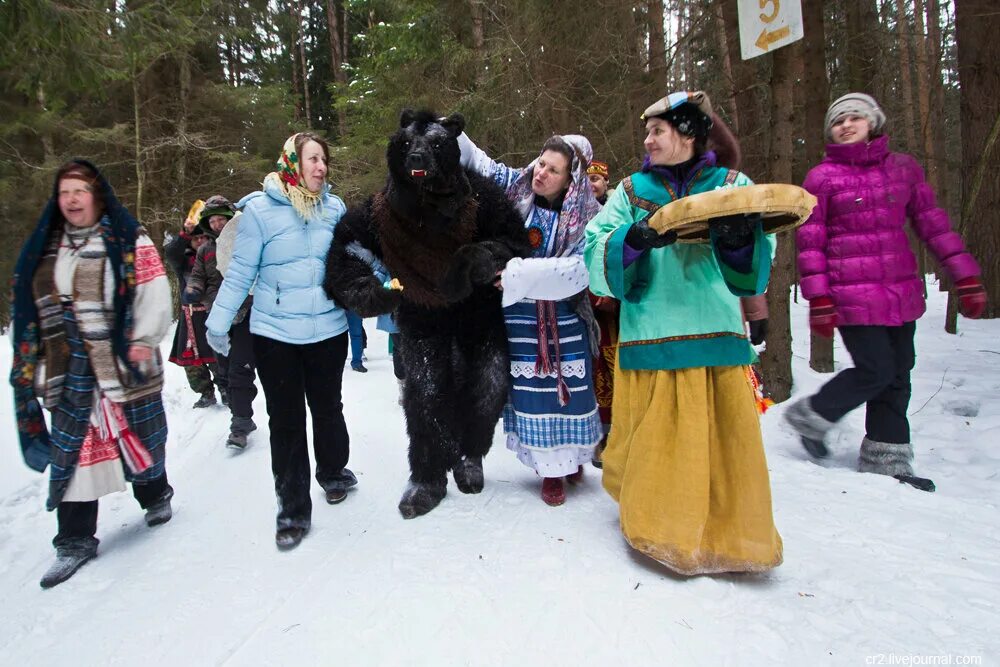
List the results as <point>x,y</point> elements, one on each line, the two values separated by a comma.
<point>875,572</point>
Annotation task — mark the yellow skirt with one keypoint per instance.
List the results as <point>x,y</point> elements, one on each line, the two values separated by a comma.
<point>685,462</point>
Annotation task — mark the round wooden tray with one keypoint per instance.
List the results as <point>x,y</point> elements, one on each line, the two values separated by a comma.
<point>783,207</point>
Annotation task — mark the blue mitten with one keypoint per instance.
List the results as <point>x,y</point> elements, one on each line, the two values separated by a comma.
<point>219,342</point>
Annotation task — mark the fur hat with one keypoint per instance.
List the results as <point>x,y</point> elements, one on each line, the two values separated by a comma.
<point>690,113</point>
<point>599,168</point>
<point>857,104</point>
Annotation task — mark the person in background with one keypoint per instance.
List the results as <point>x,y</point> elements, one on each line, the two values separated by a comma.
<point>203,286</point>
<point>91,304</point>
<point>861,277</point>
<point>190,349</point>
<point>551,418</point>
<point>606,314</point>
<point>241,368</point>
<point>685,459</point>
<point>356,332</point>
<point>598,175</point>
<point>299,334</point>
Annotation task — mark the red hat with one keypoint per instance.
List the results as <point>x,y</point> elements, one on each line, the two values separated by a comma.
<point>599,168</point>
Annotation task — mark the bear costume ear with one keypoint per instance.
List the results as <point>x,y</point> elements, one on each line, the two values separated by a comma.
<point>407,117</point>
<point>454,123</point>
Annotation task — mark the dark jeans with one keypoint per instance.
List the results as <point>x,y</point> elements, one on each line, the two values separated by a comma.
<point>292,375</point>
<point>356,330</point>
<point>78,521</point>
<point>238,369</point>
<point>883,358</point>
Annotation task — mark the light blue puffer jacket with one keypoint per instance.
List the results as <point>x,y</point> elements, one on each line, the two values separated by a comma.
<point>287,257</point>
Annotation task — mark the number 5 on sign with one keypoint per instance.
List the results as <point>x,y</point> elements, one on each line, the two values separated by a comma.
<point>766,25</point>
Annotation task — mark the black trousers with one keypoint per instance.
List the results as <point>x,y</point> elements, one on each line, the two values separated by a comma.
<point>397,356</point>
<point>883,358</point>
<point>78,521</point>
<point>292,375</point>
<point>238,369</point>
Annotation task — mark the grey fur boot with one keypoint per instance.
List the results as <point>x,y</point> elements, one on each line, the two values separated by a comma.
<point>885,458</point>
<point>811,427</point>
<point>68,561</point>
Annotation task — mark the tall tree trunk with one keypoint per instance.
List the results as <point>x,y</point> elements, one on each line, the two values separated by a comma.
<point>924,97</point>
<point>977,26</point>
<point>677,61</point>
<point>936,66</point>
<point>45,133</point>
<point>863,47</point>
<point>817,92</point>
<point>183,93</point>
<point>300,38</point>
<point>906,81</point>
<point>337,58</point>
<point>136,118</point>
<point>478,39</point>
<point>777,358</point>
<point>719,22</point>
<point>294,52</point>
<point>657,45</point>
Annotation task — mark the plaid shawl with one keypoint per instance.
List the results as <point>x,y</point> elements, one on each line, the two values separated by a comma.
<point>119,230</point>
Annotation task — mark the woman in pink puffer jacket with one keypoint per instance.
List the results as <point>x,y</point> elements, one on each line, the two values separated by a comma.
<point>859,275</point>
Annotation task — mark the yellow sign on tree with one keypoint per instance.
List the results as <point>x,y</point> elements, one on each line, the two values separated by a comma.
<point>766,25</point>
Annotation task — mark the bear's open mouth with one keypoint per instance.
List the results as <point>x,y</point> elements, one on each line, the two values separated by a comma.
<point>418,173</point>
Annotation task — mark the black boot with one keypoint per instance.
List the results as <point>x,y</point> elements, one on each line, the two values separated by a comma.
<point>468,474</point>
<point>289,538</point>
<point>68,561</point>
<point>421,498</point>
<point>224,396</point>
<point>160,512</point>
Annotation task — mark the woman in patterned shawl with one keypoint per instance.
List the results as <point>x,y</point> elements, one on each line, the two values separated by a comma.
<point>91,303</point>
<point>551,419</point>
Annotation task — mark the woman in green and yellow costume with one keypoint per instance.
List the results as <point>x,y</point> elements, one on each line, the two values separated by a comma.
<point>685,460</point>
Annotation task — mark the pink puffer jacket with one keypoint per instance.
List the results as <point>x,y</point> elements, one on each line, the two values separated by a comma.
<point>853,248</point>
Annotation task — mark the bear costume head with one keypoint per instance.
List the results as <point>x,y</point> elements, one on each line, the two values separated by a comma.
<point>424,152</point>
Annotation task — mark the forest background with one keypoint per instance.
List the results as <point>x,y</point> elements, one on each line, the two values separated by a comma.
<point>176,100</point>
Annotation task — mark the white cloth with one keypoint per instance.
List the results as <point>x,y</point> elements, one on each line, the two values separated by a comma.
<point>543,279</point>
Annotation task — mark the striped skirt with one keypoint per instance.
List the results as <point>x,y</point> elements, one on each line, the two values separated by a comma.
<point>552,439</point>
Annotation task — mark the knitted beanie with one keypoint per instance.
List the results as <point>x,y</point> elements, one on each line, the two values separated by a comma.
<point>857,104</point>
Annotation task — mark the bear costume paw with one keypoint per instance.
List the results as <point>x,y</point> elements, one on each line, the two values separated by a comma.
<point>472,265</point>
<point>468,474</point>
<point>420,498</point>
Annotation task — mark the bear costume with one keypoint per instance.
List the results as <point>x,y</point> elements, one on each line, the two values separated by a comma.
<point>444,233</point>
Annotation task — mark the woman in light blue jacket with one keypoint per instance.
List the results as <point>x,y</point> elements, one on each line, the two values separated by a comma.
<point>299,335</point>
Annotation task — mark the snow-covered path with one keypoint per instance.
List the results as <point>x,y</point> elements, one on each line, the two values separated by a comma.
<point>871,566</point>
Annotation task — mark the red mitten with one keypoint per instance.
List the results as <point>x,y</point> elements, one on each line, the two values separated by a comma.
<point>822,316</point>
<point>971,297</point>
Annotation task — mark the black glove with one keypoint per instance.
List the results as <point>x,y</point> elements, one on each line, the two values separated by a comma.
<point>734,231</point>
<point>642,237</point>
<point>758,331</point>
